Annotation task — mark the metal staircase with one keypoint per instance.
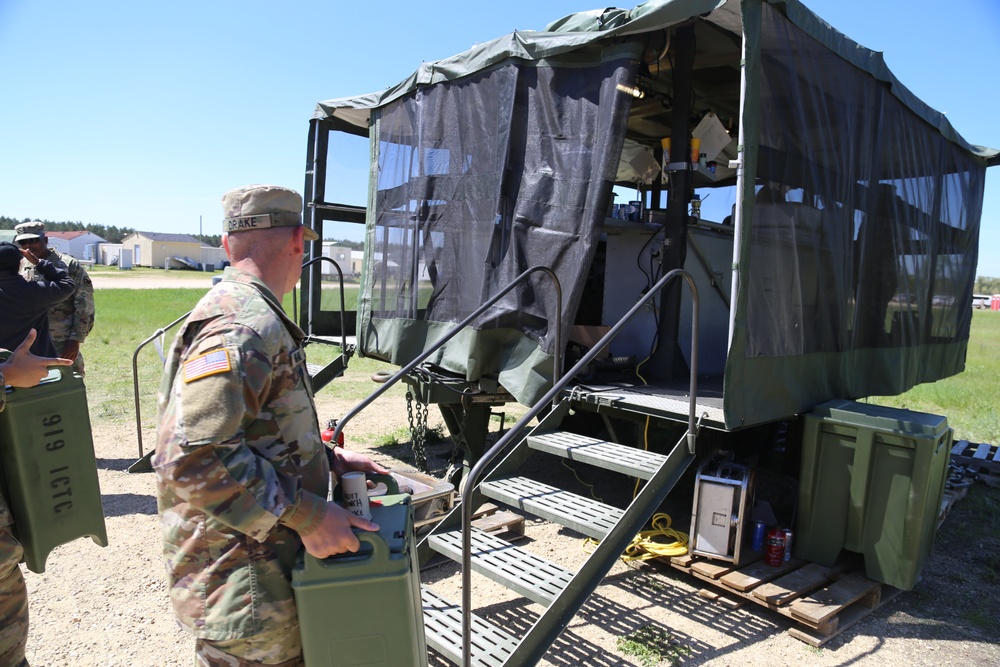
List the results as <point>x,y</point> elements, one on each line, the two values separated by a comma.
<point>451,628</point>
<point>466,639</point>
<point>551,585</point>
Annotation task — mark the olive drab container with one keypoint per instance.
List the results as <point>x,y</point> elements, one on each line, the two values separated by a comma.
<point>49,470</point>
<point>364,608</point>
<point>871,482</point>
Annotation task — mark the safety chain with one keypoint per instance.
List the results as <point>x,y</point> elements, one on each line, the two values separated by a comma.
<point>418,430</point>
<point>460,441</point>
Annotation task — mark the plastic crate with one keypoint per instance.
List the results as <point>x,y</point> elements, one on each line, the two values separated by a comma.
<point>871,482</point>
<point>49,467</point>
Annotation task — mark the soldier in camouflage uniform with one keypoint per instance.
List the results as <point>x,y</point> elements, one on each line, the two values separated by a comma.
<point>22,369</point>
<point>71,320</point>
<point>242,473</point>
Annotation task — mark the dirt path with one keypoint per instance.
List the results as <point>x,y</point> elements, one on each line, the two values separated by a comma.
<point>130,280</point>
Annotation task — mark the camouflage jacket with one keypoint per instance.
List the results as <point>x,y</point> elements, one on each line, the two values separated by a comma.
<point>240,466</point>
<point>73,318</point>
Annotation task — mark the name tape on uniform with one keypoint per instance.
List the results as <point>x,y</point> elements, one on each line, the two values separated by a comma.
<point>245,222</point>
<point>210,363</point>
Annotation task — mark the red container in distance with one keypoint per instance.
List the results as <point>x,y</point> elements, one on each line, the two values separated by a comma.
<point>774,555</point>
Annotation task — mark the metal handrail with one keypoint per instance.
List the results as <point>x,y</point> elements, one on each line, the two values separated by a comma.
<point>340,273</point>
<point>135,373</point>
<point>487,458</point>
<point>159,332</point>
<point>557,361</point>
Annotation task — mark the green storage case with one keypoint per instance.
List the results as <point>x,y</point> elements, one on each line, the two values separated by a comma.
<point>871,482</point>
<point>49,468</point>
<point>364,608</point>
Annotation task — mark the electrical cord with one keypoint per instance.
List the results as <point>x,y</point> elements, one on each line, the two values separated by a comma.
<point>660,541</point>
<point>590,487</point>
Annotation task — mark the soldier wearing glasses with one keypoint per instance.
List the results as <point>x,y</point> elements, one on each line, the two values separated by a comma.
<point>71,319</point>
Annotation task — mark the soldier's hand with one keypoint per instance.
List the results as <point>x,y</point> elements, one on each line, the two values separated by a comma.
<point>345,460</point>
<point>70,350</point>
<point>23,369</point>
<point>28,255</point>
<point>334,535</point>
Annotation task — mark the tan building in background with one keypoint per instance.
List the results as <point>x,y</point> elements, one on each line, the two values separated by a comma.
<point>172,251</point>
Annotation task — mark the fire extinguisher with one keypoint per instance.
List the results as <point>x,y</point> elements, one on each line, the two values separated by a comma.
<point>327,434</point>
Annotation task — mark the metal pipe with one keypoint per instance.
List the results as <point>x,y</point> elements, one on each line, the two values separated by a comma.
<point>340,273</point>
<point>135,373</point>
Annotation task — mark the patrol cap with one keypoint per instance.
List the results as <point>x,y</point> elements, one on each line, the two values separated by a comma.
<point>10,255</point>
<point>27,231</point>
<point>262,207</point>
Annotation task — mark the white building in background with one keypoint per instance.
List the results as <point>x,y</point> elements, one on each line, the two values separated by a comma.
<point>341,255</point>
<point>81,244</point>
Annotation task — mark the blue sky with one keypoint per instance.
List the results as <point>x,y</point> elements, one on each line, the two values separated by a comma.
<point>141,114</point>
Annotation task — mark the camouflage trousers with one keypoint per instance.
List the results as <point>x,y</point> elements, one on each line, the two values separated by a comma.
<point>271,649</point>
<point>13,602</point>
<point>78,367</point>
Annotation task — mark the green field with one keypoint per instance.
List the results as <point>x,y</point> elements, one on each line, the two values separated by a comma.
<point>127,317</point>
<point>970,399</point>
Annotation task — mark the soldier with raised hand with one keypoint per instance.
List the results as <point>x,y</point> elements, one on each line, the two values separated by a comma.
<point>242,473</point>
<point>21,369</point>
<point>25,305</point>
<point>72,319</point>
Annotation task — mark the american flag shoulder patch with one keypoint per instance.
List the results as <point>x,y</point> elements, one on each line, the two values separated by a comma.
<point>210,363</point>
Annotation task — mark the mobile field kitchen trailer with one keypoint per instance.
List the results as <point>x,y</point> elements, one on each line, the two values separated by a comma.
<point>650,333</point>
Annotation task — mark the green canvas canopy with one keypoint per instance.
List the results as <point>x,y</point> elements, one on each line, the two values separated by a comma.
<point>846,266</point>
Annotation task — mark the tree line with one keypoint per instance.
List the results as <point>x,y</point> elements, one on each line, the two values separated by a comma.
<point>986,285</point>
<point>110,234</point>
<point>116,234</point>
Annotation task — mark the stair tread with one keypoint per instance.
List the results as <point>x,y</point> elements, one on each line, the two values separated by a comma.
<point>590,517</point>
<point>600,453</point>
<point>520,570</point>
<point>491,646</point>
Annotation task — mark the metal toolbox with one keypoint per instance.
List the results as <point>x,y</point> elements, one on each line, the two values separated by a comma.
<point>721,509</point>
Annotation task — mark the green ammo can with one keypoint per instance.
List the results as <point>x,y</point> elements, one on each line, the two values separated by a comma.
<point>49,468</point>
<point>871,482</point>
<point>364,608</point>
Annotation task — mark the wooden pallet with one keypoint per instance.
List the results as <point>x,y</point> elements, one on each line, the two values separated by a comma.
<point>823,601</point>
<point>981,457</point>
<point>489,518</point>
<point>949,500</point>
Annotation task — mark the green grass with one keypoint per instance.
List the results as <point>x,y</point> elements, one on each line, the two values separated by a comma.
<point>969,399</point>
<point>126,317</point>
<point>651,646</point>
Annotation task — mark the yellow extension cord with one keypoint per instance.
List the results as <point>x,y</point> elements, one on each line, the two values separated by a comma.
<point>645,545</point>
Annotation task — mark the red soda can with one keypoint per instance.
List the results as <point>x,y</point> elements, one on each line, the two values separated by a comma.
<point>775,553</point>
